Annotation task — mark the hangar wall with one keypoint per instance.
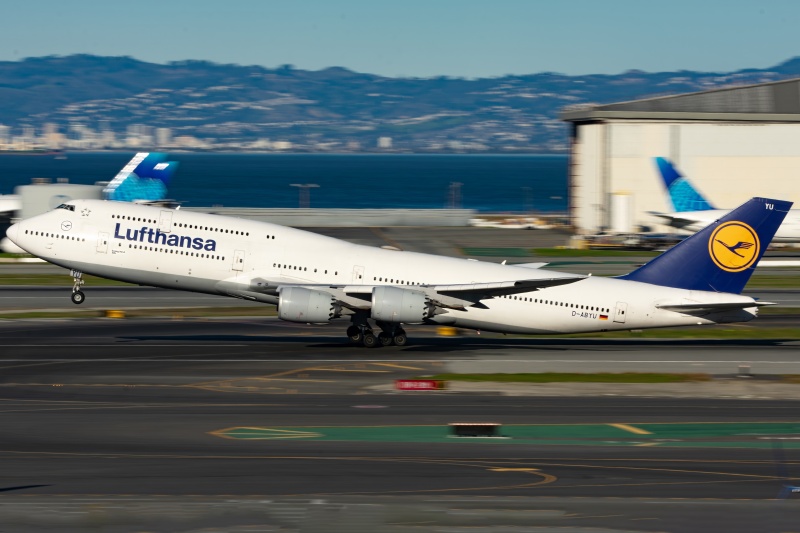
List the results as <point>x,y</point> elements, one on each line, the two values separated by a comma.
<point>729,162</point>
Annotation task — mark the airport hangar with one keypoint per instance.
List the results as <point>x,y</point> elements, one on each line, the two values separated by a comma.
<point>732,143</point>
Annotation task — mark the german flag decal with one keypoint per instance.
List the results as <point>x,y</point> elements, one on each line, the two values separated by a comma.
<point>603,317</point>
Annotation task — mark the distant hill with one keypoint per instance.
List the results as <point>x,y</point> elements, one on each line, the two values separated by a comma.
<point>120,102</point>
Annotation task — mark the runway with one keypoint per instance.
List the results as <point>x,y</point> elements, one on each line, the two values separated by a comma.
<point>141,423</point>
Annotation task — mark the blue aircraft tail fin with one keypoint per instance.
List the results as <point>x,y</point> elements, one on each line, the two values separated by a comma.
<point>683,196</point>
<point>720,257</point>
<point>144,178</point>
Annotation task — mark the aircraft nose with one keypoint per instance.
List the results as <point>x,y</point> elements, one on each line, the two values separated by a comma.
<point>12,232</point>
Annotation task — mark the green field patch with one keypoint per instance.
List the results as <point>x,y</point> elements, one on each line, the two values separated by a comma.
<point>570,252</point>
<point>496,252</point>
<point>773,281</point>
<point>713,435</point>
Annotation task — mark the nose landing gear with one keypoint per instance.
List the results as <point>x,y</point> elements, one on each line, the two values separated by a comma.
<point>77,294</point>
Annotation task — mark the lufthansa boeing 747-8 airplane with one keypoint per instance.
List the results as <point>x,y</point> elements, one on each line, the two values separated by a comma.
<point>317,279</point>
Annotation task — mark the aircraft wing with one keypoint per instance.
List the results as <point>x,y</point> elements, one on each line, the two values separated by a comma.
<point>448,296</point>
<point>359,297</point>
<point>479,291</point>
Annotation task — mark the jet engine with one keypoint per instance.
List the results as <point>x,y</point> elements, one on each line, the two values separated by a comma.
<point>297,304</point>
<point>393,304</point>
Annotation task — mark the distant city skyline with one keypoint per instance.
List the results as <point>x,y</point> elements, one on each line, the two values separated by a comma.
<point>415,38</point>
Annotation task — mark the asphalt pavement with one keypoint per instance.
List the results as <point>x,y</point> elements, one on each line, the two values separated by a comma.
<point>225,425</point>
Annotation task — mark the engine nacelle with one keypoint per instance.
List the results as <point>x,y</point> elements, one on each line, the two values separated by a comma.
<point>297,304</point>
<point>393,304</point>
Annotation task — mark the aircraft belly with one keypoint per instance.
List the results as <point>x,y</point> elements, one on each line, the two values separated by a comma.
<point>144,277</point>
<point>504,318</point>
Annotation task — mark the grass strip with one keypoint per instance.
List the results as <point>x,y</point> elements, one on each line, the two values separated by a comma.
<point>575,377</point>
<point>766,281</point>
<point>496,252</point>
<point>569,252</point>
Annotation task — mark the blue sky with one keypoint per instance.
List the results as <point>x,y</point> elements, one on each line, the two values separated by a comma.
<point>416,37</point>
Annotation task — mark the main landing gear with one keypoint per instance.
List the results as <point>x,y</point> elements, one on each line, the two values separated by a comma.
<point>363,334</point>
<point>77,294</point>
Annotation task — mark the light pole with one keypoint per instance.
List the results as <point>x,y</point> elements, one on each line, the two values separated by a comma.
<point>454,196</point>
<point>304,193</point>
<point>527,203</point>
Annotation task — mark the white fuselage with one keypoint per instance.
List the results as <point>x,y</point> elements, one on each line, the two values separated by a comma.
<point>232,257</point>
<point>694,221</point>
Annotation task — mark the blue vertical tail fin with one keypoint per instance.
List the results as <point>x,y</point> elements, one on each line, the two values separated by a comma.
<point>143,179</point>
<point>720,257</point>
<point>682,195</point>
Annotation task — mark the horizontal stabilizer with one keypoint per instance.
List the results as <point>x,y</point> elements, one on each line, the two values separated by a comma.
<point>710,307</point>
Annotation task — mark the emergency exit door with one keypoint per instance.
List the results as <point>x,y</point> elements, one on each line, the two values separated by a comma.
<point>238,260</point>
<point>102,242</point>
<point>620,312</point>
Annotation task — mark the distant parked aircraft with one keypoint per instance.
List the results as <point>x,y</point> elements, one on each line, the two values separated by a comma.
<point>143,179</point>
<point>693,212</point>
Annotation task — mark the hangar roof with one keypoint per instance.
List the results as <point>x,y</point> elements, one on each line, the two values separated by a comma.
<point>767,102</point>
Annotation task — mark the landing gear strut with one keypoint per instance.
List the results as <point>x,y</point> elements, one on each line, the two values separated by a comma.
<point>392,334</point>
<point>77,294</point>
<point>400,338</point>
<point>360,332</point>
<point>355,335</point>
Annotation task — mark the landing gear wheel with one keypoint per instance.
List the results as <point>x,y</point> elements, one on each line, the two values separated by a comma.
<point>77,282</point>
<point>385,339</point>
<point>400,339</point>
<point>370,340</point>
<point>355,335</point>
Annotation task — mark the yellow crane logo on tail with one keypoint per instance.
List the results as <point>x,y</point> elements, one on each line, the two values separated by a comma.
<point>734,246</point>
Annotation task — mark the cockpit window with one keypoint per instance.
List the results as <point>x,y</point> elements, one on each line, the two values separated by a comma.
<point>67,207</point>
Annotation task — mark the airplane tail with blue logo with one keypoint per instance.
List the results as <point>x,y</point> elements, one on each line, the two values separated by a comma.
<point>722,256</point>
<point>143,179</point>
<point>682,195</point>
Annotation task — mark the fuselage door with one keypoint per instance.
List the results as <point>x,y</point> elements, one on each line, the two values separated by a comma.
<point>165,222</point>
<point>102,242</point>
<point>358,275</point>
<point>238,260</point>
<point>620,312</point>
